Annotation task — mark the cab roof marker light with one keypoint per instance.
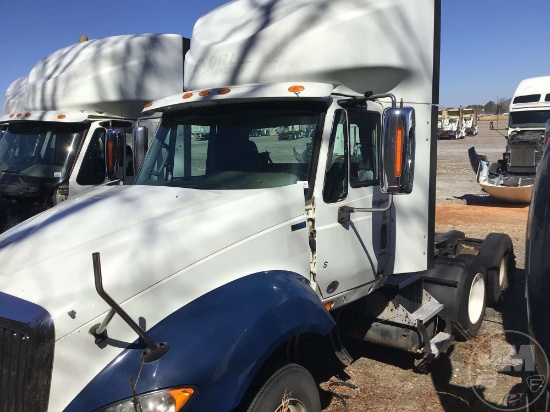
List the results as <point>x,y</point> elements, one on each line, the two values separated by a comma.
<point>187,96</point>
<point>61,116</point>
<point>148,105</point>
<point>27,115</point>
<point>224,90</point>
<point>398,150</point>
<point>19,115</point>
<point>12,116</point>
<point>204,93</point>
<point>296,89</point>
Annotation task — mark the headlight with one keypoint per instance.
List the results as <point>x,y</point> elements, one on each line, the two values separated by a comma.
<point>168,400</point>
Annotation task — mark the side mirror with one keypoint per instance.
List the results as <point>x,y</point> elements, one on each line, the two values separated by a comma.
<point>398,148</point>
<point>115,154</point>
<point>140,143</point>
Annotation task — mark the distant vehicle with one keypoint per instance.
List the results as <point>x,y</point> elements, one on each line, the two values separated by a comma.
<point>469,117</point>
<point>452,124</point>
<point>512,177</point>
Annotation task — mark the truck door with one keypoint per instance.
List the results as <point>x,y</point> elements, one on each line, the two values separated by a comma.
<point>354,253</point>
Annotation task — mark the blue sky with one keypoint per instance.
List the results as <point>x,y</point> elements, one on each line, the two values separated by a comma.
<point>487,46</point>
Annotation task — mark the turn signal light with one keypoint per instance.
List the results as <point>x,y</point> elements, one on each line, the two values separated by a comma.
<point>328,306</point>
<point>399,150</point>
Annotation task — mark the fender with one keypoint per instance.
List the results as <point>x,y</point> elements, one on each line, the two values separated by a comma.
<point>218,342</point>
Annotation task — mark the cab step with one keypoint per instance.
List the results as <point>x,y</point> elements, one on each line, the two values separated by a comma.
<point>427,311</point>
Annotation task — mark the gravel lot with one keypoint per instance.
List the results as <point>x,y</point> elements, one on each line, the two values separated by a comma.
<point>383,379</point>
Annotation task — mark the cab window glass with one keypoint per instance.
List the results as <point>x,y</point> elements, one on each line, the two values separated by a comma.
<point>336,177</point>
<point>364,145</point>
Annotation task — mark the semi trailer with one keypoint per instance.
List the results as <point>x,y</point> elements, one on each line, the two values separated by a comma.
<point>199,287</point>
<point>58,119</point>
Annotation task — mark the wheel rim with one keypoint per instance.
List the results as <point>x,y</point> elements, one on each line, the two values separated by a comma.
<point>476,298</point>
<point>503,274</point>
<point>289,404</point>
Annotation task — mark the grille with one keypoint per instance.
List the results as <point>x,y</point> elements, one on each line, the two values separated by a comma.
<point>26,356</point>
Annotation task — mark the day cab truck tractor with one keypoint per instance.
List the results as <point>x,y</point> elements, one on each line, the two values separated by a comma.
<point>199,287</point>
<point>61,115</point>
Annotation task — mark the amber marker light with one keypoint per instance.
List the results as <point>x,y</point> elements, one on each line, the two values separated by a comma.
<point>27,115</point>
<point>296,89</point>
<point>181,396</point>
<point>225,90</point>
<point>12,116</point>
<point>148,105</point>
<point>328,305</point>
<point>187,96</point>
<point>398,150</point>
<point>61,116</point>
<point>204,93</point>
<point>19,115</point>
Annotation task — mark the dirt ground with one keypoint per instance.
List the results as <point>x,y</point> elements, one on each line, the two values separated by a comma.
<point>383,379</point>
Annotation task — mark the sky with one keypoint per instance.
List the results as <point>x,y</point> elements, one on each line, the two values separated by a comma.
<point>487,46</point>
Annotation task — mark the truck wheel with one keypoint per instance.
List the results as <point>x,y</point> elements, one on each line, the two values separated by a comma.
<point>497,256</point>
<point>472,297</point>
<point>290,389</point>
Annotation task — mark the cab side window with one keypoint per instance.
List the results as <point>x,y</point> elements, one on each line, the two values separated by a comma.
<point>364,143</point>
<point>93,169</point>
<point>336,176</point>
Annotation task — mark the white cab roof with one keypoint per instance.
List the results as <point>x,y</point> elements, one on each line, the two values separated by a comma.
<point>116,75</point>
<point>355,45</point>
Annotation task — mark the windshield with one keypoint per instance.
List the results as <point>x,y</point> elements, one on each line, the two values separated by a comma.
<point>234,147</point>
<point>39,149</point>
<point>529,119</point>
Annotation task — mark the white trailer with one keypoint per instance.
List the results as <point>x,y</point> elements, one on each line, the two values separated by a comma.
<point>61,114</point>
<point>231,255</point>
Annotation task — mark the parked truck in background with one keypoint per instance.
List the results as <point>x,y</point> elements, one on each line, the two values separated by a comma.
<point>452,125</point>
<point>233,255</point>
<point>469,117</point>
<point>511,178</point>
<point>59,118</point>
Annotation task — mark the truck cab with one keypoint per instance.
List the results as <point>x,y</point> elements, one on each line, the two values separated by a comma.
<point>59,117</point>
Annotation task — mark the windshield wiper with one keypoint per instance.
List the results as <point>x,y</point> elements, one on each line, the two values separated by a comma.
<point>14,172</point>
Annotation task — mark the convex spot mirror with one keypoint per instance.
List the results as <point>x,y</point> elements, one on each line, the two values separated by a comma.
<point>398,149</point>
<point>115,154</point>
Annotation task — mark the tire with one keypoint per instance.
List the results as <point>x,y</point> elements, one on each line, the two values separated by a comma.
<point>497,256</point>
<point>472,297</point>
<point>293,384</point>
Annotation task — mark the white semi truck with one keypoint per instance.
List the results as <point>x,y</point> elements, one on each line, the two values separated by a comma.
<point>197,288</point>
<point>511,178</point>
<point>61,114</point>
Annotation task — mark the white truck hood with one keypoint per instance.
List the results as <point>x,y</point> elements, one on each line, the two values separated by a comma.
<point>145,234</point>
